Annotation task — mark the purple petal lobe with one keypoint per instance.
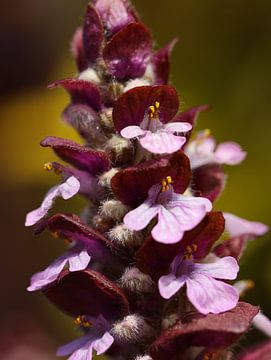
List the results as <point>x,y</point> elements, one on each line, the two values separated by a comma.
<point>82,157</point>
<point>179,127</point>
<point>92,34</point>
<point>229,153</point>
<point>237,226</point>
<point>65,190</point>
<point>73,346</point>
<point>77,260</point>
<point>169,285</point>
<point>131,107</point>
<point>162,142</point>
<point>115,14</point>
<point>81,91</point>
<point>103,344</point>
<point>127,53</point>
<point>209,295</point>
<point>139,218</point>
<point>131,132</point>
<point>225,268</point>
<point>161,62</point>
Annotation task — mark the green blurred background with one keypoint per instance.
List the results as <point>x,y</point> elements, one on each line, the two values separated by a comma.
<point>223,59</point>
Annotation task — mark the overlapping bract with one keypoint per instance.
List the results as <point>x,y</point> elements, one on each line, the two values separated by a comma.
<point>145,272</point>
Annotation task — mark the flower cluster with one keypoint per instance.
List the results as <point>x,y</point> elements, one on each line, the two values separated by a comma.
<point>146,274</point>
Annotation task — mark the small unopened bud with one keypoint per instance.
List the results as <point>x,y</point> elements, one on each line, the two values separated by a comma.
<point>132,328</point>
<point>124,237</point>
<point>106,119</point>
<point>105,179</point>
<point>119,150</point>
<point>90,75</point>
<point>101,224</point>
<point>169,321</point>
<point>115,89</point>
<point>135,281</point>
<point>135,83</point>
<point>143,357</point>
<point>113,209</point>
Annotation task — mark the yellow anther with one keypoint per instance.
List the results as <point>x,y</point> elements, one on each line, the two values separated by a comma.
<point>48,166</point>
<point>190,249</point>
<point>203,136</point>
<point>207,132</point>
<point>165,183</point>
<point>67,241</point>
<point>209,356</point>
<point>55,234</point>
<point>157,105</point>
<point>82,321</point>
<point>153,110</point>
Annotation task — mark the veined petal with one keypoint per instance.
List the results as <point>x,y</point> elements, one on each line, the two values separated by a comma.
<point>237,226</point>
<point>209,295</point>
<point>140,217</point>
<point>168,229</point>
<point>179,127</point>
<point>103,344</point>
<point>162,142</point>
<point>84,353</point>
<point>229,153</point>
<point>169,285</point>
<point>79,261</point>
<point>225,268</point>
<point>132,131</point>
<point>65,190</point>
<point>188,210</point>
<point>72,346</point>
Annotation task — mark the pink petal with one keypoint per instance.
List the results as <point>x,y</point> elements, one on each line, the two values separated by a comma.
<point>225,268</point>
<point>179,127</point>
<point>84,353</point>
<point>168,229</point>
<point>229,153</point>
<point>103,344</point>
<point>262,323</point>
<point>205,145</point>
<point>71,347</point>
<point>162,142</point>
<point>188,210</point>
<point>132,131</point>
<point>65,190</point>
<point>237,226</point>
<point>79,261</point>
<point>140,217</point>
<point>169,285</point>
<point>209,295</point>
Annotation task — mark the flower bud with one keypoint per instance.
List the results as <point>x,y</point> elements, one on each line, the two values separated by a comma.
<point>132,328</point>
<point>136,82</point>
<point>113,209</point>
<point>119,150</point>
<point>133,280</point>
<point>124,237</point>
<point>90,75</point>
<point>143,357</point>
<point>105,178</point>
<point>106,119</point>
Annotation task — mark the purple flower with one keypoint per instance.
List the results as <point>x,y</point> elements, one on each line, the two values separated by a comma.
<point>207,294</point>
<point>155,136</point>
<point>237,226</point>
<point>75,259</point>
<point>176,213</point>
<point>65,190</point>
<point>97,338</point>
<point>203,150</point>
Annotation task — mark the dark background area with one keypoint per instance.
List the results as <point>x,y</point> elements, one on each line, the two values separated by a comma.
<point>223,58</point>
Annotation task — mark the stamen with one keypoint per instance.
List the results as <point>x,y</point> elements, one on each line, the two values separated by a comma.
<point>48,166</point>
<point>190,249</point>
<point>55,234</point>
<point>209,356</point>
<point>203,136</point>
<point>153,110</point>
<point>165,183</point>
<point>82,321</point>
